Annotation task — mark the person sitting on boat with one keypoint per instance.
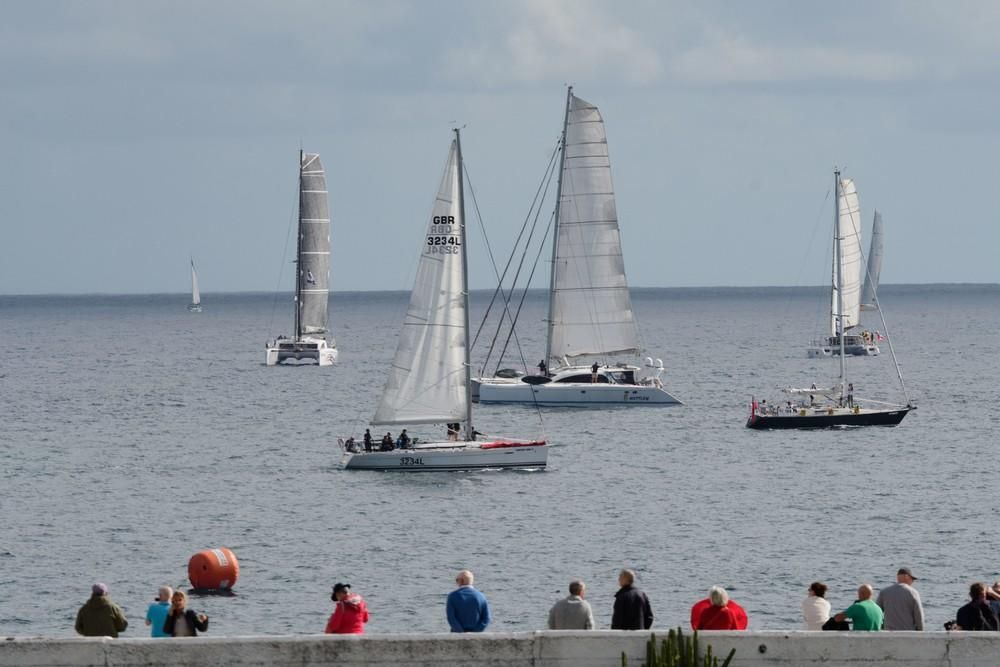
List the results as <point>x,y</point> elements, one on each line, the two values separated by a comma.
<point>387,442</point>
<point>352,446</point>
<point>368,440</point>
<point>403,441</point>
<point>593,373</point>
<point>453,432</point>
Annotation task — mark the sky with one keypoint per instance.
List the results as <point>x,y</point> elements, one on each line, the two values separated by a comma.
<point>134,135</point>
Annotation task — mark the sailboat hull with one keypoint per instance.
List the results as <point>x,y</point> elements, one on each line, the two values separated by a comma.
<point>194,307</point>
<point>284,350</point>
<point>829,418</point>
<point>449,456</point>
<point>568,394</point>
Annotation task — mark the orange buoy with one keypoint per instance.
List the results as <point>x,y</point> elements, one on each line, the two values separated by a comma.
<point>213,569</point>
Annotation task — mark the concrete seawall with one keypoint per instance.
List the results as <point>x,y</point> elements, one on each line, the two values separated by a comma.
<point>518,649</point>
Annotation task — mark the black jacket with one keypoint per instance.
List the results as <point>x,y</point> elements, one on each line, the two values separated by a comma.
<point>977,615</point>
<point>192,619</point>
<point>632,610</point>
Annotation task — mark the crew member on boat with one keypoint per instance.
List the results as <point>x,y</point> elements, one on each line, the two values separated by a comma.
<point>593,373</point>
<point>403,441</point>
<point>387,442</point>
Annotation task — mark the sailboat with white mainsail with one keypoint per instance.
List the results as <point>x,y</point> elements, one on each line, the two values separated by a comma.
<point>430,379</point>
<point>837,405</point>
<point>312,273</point>
<point>195,305</point>
<point>590,318</point>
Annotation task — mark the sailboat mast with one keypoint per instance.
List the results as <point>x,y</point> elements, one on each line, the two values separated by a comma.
<point>839,279</point>
<point>469,428</point>
<point>298,260</point>
<point>555,233</point>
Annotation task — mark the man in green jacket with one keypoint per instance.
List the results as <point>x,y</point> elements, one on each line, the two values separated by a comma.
<point>99,616</point>
<point>864,614</point>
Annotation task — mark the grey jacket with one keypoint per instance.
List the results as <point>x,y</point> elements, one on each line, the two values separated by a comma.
<point>901,604</point>
<point>571,613</point>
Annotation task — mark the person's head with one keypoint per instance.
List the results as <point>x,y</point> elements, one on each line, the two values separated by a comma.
<point>977,591</point>
<point>818,588</point>
<point>865,591</point>
<point>179,600</point>
<point>904,576</point>
<point>576,587</point>
<point>718,596</point>
<point>626,577</point>
<point>99,589</point>
<point>340,591</point>
<point>165,593</point>
<point>465,578</point>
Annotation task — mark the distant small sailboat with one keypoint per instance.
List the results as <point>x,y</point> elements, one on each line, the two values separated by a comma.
<point>312,273</point>
<point>195,305</point>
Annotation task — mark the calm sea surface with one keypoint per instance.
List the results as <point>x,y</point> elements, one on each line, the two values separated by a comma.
<point>135,434</point>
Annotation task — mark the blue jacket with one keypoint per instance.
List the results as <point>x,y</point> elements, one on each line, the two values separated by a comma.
<point>468,610</point>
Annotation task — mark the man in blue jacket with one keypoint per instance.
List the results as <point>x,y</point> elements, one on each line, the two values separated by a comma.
<point>468,610</point>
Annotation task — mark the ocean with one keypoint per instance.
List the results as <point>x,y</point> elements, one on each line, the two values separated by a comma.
<point>135,434</point>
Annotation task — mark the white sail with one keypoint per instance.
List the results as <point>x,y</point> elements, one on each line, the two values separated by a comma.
<point>874,265</point>
<point>591,310</point>
<point>313,288</point>
<point>848,237</point>
<point>195,292</point>
<point>427,381</point>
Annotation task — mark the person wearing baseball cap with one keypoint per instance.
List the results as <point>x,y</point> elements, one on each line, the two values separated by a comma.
<point>99,616</point>
<point>901,603</point>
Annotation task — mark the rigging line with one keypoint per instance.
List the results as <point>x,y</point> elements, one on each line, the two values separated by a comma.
<point>292,220</point>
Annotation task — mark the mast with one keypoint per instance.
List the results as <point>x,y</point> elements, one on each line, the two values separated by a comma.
<point>839,280</point>
<point>469,429</point>
<point>298,260</point>
<point>555,232</point>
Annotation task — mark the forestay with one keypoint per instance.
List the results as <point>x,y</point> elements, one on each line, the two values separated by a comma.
<point>874,265</point>
<point>591,311</point>
<point>849,240</point>
<point>313,247</point>
<point>427,382</point>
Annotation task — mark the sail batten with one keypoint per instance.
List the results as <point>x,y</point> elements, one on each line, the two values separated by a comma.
<point>427,379</point>
<point>313,248</point>
<point>591,309</point>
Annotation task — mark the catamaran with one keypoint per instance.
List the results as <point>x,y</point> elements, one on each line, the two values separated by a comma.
<point>836,405</point>
<point>312,271</point>
<point>195,305</point>
<point>430,378</point>
<point>590,314</point>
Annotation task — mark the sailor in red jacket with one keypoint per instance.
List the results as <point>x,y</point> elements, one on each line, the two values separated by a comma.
<point>718,612</point>
<point>350,615</point>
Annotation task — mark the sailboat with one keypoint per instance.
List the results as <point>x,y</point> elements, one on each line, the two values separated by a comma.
<point>430,379</point>
<point>590,310</point>
<point>823,407</point>
<point>195,305</point>
<point>312,273</point>
<point>854,298</point>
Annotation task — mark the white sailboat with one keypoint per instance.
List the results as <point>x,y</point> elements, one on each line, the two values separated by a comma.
<point>850,267</point>
<point>195,305</point>
<point>836,405</point>
<point>590,309</point>
<point>430,380</point>
<point>312,273</point>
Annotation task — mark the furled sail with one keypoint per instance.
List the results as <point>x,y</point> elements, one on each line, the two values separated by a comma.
<point>591,310</point>
<point>848,238</point>
<point>313,288</point>
<point>874,265</point>
<point>427,382</point>
<point>195,292</point>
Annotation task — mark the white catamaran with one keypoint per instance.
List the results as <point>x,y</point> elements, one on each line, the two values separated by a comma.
<point>430,380</point>
<point>590,309</point>
<point>836,405</point>
<point>312,273</point>
<point>195,305</point>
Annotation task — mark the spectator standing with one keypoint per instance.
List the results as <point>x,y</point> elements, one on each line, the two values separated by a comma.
<point>864,614</point>
<point>816,608</point>
<point>467,608</point>
<point>572,612</point>
<point>181,621</point>
<point>157,612</point>
<point>99,616</point>
<point>350,614</point>
<point>632,610</point>
<point>901,603</point>
<point>718,614</point>
<point>977,614</point>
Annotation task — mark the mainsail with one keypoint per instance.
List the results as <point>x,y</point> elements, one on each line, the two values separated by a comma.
<point>195,292</point>
<point>848,239</point>
<point>874,266</point>
<point>427,381</point>
<point>590,309</point>
<point>312,285</point>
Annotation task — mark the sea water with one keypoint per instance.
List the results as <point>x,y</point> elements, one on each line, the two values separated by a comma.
<point>135,433</point>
